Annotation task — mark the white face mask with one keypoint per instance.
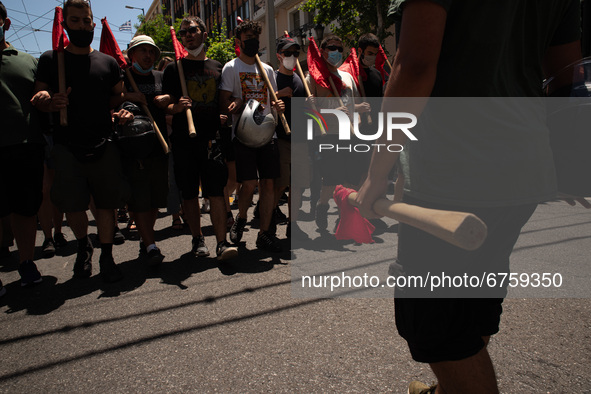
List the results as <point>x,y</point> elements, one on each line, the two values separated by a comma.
<point>369,61</point>
<point>195,52</point>
<point>289,62</point>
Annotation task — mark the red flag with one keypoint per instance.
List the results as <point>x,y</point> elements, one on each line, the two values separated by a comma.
<point>352,225</point>
<point>380,61</point>
<point>351,65</point>
<point>179,50</point>
<point>319,70</point>
<point>58,38</point>
<point>236,47</point>
<point>109,45</point>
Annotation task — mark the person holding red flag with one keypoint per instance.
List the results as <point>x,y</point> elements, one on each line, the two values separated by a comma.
<point>86,162</point>
<point>326,80</point>
<point>199,158</point>
<point>21,152</point>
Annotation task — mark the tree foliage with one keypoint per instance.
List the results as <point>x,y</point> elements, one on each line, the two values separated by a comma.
<point>220,47</point>
<point>159,29</point>
<point>349,19</point>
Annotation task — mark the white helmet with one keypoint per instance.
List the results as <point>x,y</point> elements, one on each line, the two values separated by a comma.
<point>254,129</point>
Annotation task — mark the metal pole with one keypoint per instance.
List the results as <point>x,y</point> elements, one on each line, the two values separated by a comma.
<point>271,50</point>
<point>172,12</point>
<point>202,10</point>
<point>185,9</point>
<point>224,16</point>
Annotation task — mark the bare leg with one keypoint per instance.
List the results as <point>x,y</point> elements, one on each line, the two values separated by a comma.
<point>218,217</point>
<point>105,223</point>
<point>245,197</point>
<point>46,210</point>
<point>266,202</point>
<point>24,229</point>
<point>326,194</point>
<point>145,225</point>
<point>78,222</point>
<point>193,216</point>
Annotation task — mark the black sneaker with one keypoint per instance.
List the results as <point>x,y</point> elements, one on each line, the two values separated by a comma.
<point>225,251</point>
<point>29,273</point>
<point>83,264</point>
<point>154,257</point>
<point>322,216</point>
<point>110,273</point>
<point>280,217</point>
<point>48,248</point>
<point>237,229</point>
<point>268,241</point>
<point>199,248</point>
<point>59,240</point>
<point>118,237</point>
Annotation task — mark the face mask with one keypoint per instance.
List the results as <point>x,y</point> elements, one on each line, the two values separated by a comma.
<point>195,52</point>
<point>369,61</point>
<point>334,58</point>
<point>81,38</point>
<point>289,62</point>
<point>2,32</point>
<point>141,70</point>
<point>251,47</point>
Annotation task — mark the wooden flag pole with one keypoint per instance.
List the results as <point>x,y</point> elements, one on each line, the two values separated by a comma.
<point>272,92</point>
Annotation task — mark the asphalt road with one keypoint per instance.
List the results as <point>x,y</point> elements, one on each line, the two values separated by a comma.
<point>195,325</point>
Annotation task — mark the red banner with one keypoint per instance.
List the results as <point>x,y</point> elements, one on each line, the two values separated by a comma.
<point>58,39</point>
<point>380,61</point>
<point>351,65</point>
<point>109,45</point>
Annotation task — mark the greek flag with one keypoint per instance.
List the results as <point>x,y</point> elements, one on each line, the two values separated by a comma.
<point>126,26</point>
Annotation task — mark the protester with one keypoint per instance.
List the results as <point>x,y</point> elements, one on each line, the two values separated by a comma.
<point>241,81</point>
<point>436,58</point>
<point>144,161</point>
<point>198,159</point>
<point>21,152</point>
<point>86,162</point>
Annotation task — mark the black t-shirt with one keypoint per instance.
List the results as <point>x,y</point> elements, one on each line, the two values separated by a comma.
<point>91,78</point>
<point>151,86</point>
<point>373,88</point>
<point>203,79</point>
<point>296,85</point>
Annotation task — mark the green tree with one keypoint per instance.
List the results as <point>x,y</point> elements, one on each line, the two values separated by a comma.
<point>159,29</point>
<point>353,17</point>
<point>220,47</point>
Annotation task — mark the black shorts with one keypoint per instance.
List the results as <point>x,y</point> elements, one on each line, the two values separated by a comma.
<point>21,179</point>
<point>148,179</point>
<point>192,167</point>
<point>256,163</point>
<point>445,329</point>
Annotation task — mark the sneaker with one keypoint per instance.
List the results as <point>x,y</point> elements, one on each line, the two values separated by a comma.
<point>322,216</point>
<point>29,273</point>
<point>118,237</point>
<point>59,240</point>
<point>225,251</point>
<point>280,217</point>
<point>154,257</point>
<point>48,248</point>
<point>199,248</point>
<point>110,272</point>
<point>237,229</point>
<point>205,207</point>
<point>2,289</point>
<point>420,388</point>
<point>229,221</point>
<point>267,241</point>
<point>83,264</point>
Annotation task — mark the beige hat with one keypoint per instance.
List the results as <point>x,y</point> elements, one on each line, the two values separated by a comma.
<point>141,40</point>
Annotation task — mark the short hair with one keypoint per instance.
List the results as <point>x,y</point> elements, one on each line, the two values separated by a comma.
<point>330,37</point>
<point>187,20</point>
<point>368,40</point>
<point>247,25</point>
<point>3,14</point>
<point>163,62</point>
<point>76,4</point>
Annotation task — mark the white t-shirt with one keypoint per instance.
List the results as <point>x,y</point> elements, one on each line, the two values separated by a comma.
<point>243,80</point>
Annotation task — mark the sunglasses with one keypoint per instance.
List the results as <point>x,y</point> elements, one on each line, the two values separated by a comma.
<point>192,30</point>
<point>291,53</point>
<point>334,48</point>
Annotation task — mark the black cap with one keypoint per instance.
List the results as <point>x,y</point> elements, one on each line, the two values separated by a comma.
<point>285,43</point>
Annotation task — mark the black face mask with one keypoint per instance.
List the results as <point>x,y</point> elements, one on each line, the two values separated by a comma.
<point>251,47</point>
<point>80,38</point>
